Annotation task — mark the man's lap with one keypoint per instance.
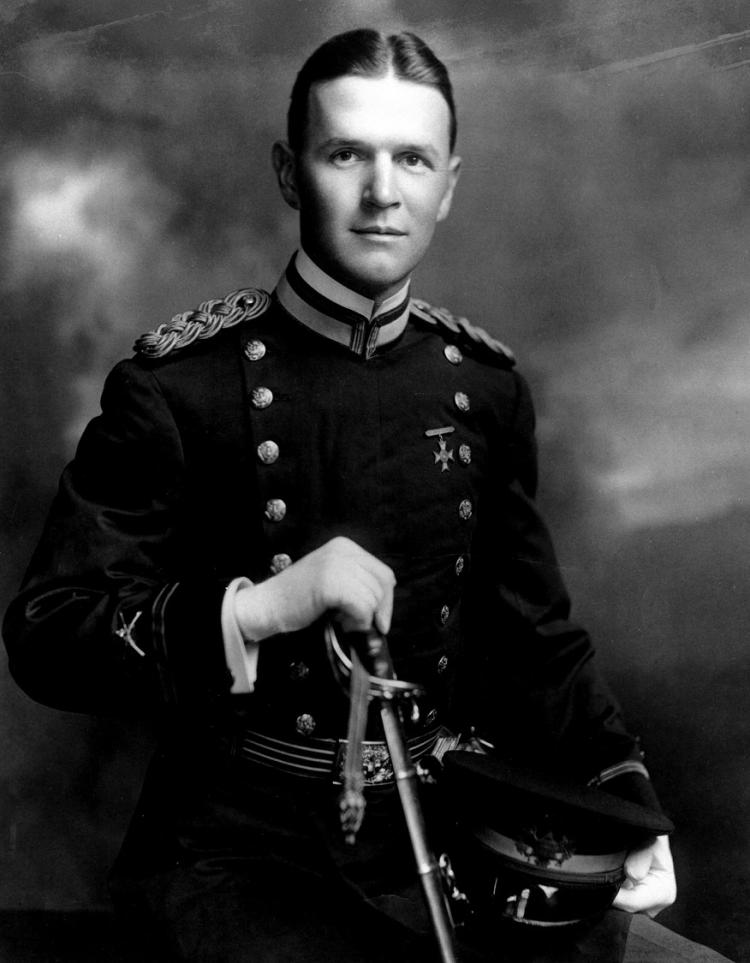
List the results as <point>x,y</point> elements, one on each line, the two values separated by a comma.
<point>257,876</point>
<point>649,941</point>
<point>218,916</point>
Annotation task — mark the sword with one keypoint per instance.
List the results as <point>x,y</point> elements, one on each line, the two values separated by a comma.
<point>370,660</point>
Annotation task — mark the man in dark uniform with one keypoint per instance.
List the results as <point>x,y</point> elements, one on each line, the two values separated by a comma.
<point>339,450</point>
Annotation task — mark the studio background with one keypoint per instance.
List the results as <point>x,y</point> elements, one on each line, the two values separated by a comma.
<point>601,228</point>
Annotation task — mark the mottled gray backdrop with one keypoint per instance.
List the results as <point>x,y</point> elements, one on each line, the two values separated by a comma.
<point>601,227</point>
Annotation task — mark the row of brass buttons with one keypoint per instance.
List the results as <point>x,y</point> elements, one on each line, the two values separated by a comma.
<point>268,451</point>
<point>445,613</point>
<point>465,509</point>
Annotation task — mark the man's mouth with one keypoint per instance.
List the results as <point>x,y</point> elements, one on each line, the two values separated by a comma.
<point>377,229</point>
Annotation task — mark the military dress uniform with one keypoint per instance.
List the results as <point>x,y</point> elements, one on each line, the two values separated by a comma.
<point>238,439</point>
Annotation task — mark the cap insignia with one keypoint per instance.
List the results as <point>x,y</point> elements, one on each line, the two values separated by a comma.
<point>544,849</point>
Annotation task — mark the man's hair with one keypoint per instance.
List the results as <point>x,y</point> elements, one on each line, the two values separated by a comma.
<point>367,53</point>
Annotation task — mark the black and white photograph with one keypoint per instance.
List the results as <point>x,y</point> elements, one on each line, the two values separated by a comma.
<point>375,487</point>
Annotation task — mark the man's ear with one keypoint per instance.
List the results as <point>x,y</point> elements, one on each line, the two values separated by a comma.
<point>285,164</point>
<point>454,169</point>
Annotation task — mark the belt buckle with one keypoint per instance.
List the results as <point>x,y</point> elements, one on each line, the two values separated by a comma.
<point>376,763</point>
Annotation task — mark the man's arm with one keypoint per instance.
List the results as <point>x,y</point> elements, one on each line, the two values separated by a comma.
<point>538,684</point>
<point>120,613</point>
<point>544,700</point>
<point>114,615</point>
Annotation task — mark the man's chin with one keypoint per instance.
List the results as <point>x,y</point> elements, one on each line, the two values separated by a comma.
<point>377,277</point>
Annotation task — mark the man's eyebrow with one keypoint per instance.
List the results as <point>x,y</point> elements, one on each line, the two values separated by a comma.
<point>341,142</point>
<point>427,149</point>
<point>406,148</point>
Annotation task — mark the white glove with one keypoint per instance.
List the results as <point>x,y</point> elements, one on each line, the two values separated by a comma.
<point>339,577</point>
<point>650,885</point>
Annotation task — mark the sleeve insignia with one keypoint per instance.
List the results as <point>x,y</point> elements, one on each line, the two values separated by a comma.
<point>468,332</point>
<point>207,320</point>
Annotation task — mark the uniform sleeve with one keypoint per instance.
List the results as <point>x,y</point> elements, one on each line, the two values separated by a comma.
<point>113,615</point>
<point>541,698</point>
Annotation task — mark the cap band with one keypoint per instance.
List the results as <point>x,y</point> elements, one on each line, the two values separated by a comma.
<point>559,864</point>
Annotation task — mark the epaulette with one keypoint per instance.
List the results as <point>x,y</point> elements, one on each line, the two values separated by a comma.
<point>207,320</point>
<point>442,318</point>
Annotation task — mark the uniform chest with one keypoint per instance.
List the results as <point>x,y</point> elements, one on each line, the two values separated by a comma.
<point>395,451</point>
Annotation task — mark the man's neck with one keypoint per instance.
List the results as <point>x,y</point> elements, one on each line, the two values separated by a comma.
<point>333,310</point>
<point>367,305</point>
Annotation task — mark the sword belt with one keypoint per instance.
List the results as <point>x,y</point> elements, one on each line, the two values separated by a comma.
<point>316,758</point>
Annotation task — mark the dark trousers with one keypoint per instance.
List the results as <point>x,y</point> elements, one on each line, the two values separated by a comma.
<point>202,922</point>
<point>247,866</point>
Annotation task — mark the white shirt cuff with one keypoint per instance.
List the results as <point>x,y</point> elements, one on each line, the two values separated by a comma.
<point>241,656</point>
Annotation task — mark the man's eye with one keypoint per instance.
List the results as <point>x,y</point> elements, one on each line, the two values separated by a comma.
<point>413,160</point>
<point>344,157</point>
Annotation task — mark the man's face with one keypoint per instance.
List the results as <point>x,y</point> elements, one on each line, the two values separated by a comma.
<point>373,178</point>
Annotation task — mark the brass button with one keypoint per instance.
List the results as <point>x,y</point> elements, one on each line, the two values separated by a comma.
<point>268,452</point>
<point>255,350</point>
<point>466,509</point>
<point>430,718</point>
<point>261,397</point>
<point>305,724</point>
<point>460,564</point>
<point>464,454</point>
<point>280,562</point>
<point>445,614</point>
<point>453,353</point>
<point>298,671</point>
<point>275,509</point>
<point>462,401</point>
<point>442,664</point>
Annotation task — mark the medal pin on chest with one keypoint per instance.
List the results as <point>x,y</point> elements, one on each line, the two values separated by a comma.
<point>444,454</point>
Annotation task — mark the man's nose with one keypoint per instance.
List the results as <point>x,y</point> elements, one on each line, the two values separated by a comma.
<point>381,188</point>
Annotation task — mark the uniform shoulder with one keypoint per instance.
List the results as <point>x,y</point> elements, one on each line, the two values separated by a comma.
<point>470,337</point>
<point>206,321</point>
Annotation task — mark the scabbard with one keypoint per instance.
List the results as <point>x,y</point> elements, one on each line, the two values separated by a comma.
<point>370,650</point>
<point>427,866</point>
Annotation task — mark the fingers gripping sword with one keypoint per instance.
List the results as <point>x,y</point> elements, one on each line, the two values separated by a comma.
<point>372,676</point>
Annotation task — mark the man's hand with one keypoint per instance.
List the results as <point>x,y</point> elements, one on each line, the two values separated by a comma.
<point>650,885</point>
<point>339,577</point>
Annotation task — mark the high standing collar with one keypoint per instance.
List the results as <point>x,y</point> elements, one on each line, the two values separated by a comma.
<point>336,312</point>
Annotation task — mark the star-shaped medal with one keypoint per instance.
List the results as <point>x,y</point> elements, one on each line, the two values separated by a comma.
<point>443,455</point>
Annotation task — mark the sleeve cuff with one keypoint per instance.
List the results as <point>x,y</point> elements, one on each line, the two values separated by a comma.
<point>629,780</point>
<point>241,656</point>
<point>620,769</point>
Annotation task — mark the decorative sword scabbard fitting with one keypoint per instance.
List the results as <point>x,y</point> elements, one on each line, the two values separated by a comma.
<point>380,687</point>
<point>367,673</point>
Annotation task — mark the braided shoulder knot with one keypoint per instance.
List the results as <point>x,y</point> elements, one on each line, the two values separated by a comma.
<point>207,320</point>
<point>461,326</point>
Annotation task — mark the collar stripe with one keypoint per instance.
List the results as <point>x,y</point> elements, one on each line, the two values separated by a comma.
<point>319,301</point>
<point>337,311</point>
<point>338,322</point>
